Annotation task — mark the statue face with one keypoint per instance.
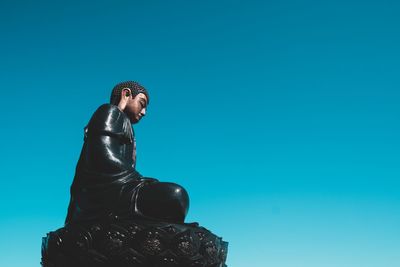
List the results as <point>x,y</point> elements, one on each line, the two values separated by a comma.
<point>136,107</point>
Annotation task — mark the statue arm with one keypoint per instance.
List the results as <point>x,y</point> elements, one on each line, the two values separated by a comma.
<point>106,137</point>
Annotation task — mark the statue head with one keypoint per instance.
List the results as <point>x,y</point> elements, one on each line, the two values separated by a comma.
<point>131,98</point>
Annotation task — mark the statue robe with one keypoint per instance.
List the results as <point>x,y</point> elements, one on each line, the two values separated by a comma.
<point>105,180</point>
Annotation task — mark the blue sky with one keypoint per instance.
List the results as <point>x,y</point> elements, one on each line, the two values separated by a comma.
<point>281,119</point>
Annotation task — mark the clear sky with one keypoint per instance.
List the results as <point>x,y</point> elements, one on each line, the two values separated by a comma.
<point>280,118</point>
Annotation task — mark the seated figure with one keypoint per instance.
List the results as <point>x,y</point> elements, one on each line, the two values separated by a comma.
<point>106,183</point>
<point>118,218</point>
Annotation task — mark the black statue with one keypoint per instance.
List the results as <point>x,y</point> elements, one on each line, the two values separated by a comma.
<point>106,182</point>
<point>117,217</point>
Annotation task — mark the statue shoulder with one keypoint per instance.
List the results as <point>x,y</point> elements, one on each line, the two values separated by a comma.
<point>107,118</point>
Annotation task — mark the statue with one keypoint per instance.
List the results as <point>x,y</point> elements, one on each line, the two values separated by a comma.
<point>106,182</point>
<point>117,217</point>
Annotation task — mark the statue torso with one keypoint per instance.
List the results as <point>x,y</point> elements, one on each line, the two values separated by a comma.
<point>106,164</point>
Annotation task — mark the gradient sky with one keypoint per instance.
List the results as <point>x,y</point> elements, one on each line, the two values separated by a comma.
<point>280,118</point>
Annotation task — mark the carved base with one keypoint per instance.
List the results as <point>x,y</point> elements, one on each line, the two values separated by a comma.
<point>133,244</point>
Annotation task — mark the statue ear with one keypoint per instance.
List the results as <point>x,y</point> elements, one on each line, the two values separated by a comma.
<point>126,92</point>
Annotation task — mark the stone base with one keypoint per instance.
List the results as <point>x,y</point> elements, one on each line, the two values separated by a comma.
<point>133,244</point>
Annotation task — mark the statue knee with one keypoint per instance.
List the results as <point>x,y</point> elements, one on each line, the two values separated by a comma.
<point>163,201</point>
